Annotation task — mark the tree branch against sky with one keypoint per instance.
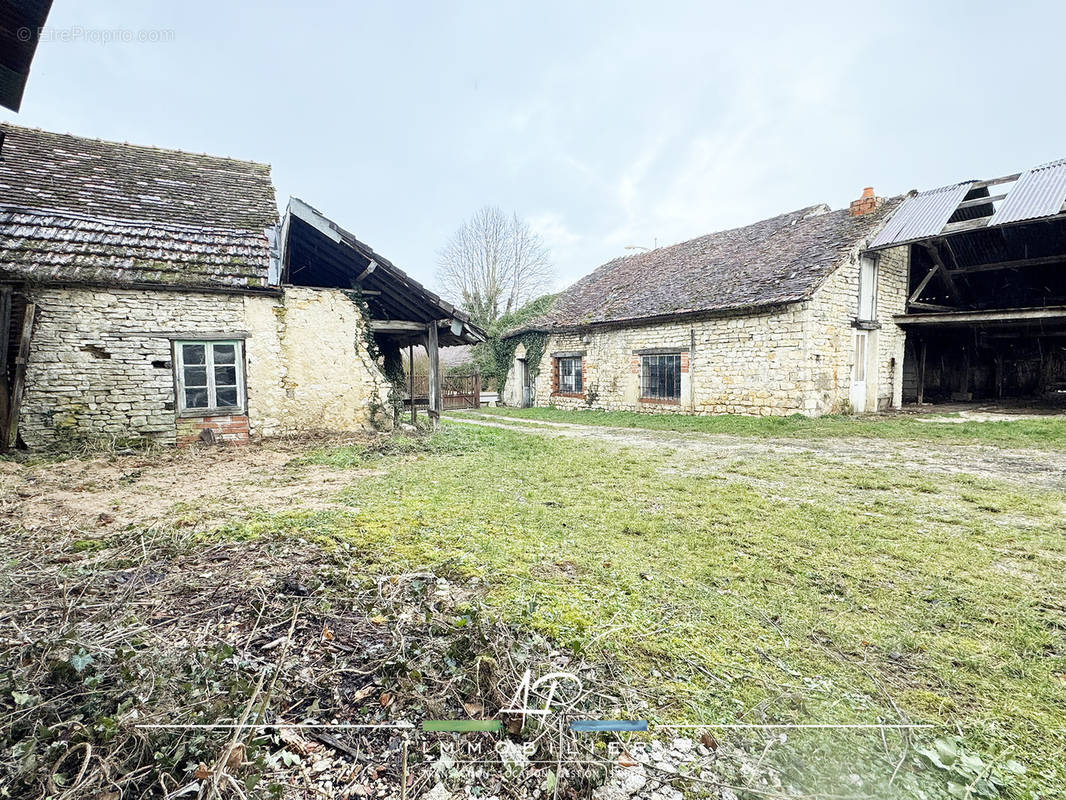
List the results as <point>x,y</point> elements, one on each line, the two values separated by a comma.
<point>493,264</point>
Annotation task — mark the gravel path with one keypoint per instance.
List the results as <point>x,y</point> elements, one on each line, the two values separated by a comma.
<point>1029,467</point>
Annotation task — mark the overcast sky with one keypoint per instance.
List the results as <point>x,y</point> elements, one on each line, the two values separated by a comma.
<point>603,124</point>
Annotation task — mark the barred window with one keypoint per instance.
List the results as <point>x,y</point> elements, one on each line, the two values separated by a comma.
<point>570,375</point>
<point>660,377</point>
<point>210,377</point>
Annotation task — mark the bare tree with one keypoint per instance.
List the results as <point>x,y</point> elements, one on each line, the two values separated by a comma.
<point>493,264</point>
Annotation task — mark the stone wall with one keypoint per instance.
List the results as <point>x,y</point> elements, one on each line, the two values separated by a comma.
<point>792,359</point>
<point>308,367</point>
<point>100,363</point>
<point>830,338</point>
<point>733,365</point>
<point>830,334</point>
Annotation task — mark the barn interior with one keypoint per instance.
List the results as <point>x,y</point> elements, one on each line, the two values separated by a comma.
<point>986,314</point>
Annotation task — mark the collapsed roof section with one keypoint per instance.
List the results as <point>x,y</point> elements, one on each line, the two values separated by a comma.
<point>317,252</point>
<point>984,245</point>
<point>1036,194</point>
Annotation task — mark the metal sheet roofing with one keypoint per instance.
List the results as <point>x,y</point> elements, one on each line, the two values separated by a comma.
<point>1040,192</point>
<point>921,215</point>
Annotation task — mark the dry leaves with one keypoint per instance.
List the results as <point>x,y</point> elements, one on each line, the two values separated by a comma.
<point>474,710</point>
<point>709,741</point>
<point>626,760</point>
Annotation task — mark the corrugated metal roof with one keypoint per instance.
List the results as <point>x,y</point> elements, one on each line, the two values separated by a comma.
<point>924,214</point>
<point>1040,192</point>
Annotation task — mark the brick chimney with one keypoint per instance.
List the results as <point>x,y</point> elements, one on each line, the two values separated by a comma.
<point>865,204</point>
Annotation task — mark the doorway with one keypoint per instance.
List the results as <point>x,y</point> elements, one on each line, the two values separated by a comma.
<point>526,382</point>
<point>858,372</point>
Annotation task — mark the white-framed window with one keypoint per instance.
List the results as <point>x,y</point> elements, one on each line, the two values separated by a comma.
<point>569,374</point>
<point>660,377</point>
<point>867,289</point>
<point>210,377</point>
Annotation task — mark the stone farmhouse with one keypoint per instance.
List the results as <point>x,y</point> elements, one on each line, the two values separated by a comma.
<point>151,294</point>
<point>952,294</point>
<point>766,319</point>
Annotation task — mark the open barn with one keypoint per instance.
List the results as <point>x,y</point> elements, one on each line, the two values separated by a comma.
<point>986,313</point>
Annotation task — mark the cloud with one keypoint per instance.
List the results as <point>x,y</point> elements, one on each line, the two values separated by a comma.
<point>552,229</point>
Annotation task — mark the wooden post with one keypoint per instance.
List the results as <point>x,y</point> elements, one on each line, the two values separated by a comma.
<point>434,373</point>
<point>921,374</point>
<point>964,379</point>
<point>20,374</point>
<point>477,388</point>
<point>5,325</point>
<point>411,382</point>
<point>5,333</point>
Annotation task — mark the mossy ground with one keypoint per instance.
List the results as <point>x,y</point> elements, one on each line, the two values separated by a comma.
<point>774,589</point>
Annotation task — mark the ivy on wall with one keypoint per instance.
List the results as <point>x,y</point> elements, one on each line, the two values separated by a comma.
<point>494,357</point>
<point>388,358</point>
<point>504,350</point>
<point>356,296</point>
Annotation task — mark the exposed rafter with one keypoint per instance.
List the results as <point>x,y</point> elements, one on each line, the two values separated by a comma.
<point>1036,194</point>
<point>323,254</point>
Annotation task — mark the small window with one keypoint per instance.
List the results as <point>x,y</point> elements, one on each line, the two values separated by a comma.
<point>210,377</point>
<point>867,290</point>
<point>570,375</point>
<point>660,377</point>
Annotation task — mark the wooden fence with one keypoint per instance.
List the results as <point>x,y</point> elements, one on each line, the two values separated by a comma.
<point>457,391</point>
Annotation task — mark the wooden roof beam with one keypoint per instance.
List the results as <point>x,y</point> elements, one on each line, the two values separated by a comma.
<point>949,281</point>
<point>396,326</point>
<point>1021,262</point>
<point>369,268</point>
<point>980,201</point>
<point>970,317</point>
<point>996,181</point>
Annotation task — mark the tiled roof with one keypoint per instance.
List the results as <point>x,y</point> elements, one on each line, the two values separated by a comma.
<point>61,247</point>
<point>84,210</point>
<point>778,260</point>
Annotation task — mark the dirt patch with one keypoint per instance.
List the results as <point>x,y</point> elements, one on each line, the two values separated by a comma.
<point>201,485</point>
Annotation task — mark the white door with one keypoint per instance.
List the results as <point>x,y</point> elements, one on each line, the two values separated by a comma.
<point>858,373</point>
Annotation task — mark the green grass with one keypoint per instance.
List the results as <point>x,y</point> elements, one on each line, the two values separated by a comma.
<point>764,589</point>
<point>1046,433</point>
